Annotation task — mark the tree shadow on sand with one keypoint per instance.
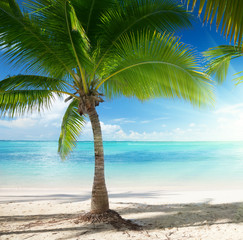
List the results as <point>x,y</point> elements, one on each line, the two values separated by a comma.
<point>70,198</point>
<point>184,215</point>
<point>150,217</point>
<point>63,198</point>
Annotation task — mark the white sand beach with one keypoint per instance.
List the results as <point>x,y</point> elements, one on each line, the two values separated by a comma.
<point>163,214</point>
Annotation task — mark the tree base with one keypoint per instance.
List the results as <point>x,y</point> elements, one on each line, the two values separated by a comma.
<point>110,217</point>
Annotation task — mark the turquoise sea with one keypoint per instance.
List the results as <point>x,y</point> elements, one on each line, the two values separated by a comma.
<point>28,164</point>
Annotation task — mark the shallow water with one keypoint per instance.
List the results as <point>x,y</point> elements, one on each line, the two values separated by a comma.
<point>158,164</point>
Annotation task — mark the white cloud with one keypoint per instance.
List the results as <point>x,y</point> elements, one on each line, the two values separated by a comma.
<point>116,133</point>
<point>118,119</point>
<point>161,118</point>
<point>229,122</point>
<point>108,130</point>
<point>19,123</point>
<point>146,121</point>
<point>55,124</point>
<point>230,109</point>
<point>226,124</point>
<point>123,120</point>
<point>35,126</point>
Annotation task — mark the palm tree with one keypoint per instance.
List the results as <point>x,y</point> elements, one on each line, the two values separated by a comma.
<point>86,50</point>
<point>229,17</point>
<point>226,13</point>
<point>219,59</point>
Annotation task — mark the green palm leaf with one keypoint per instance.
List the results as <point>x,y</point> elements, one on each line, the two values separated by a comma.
<point>28,82</point>
<point>238,79</point>
<point>36,47</point>
<point>89,15</point>
<point>27,93</point>
<point>72,124</point>
<point>228,15</point>
<point>19,102</point>
<point>219,60</point>
<point>148,65</point>
<point>133,15</point>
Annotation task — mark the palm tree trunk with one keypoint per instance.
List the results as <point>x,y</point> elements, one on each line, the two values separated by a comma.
<point>99,200</point>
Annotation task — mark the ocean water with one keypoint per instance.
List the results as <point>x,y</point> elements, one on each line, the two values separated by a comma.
<point>35,164</point>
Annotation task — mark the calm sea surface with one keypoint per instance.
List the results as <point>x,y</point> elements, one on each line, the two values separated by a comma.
<point>158,164</point>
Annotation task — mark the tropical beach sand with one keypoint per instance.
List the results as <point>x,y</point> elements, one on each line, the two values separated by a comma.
<point>163,214</point>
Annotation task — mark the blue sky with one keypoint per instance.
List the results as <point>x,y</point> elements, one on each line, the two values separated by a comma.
<point>154,120</point>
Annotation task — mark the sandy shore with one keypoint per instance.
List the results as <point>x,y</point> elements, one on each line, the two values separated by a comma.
<point>164,214</point>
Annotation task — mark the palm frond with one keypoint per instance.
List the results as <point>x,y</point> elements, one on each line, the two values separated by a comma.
<point>60,20</point>
<point>238,80</point>
<point>89,14</point>
<point>228,14</point>
<point>148,65</point>
<point>76,26</point>
<point>72,124</point>
<point>36,92</point>
<point>19,102</point>
<point>219,60</point>
<point>133,15</point>
<point>39,44</point>
<point>33,82</point>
